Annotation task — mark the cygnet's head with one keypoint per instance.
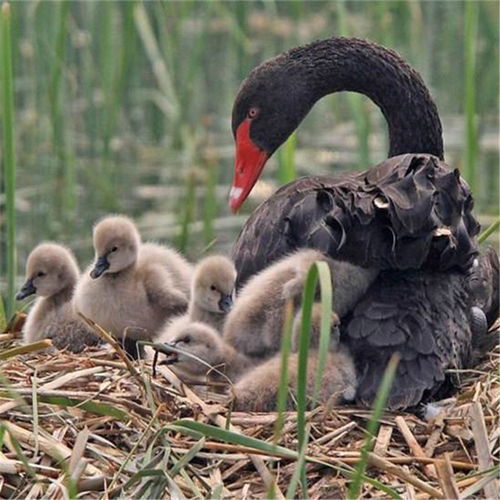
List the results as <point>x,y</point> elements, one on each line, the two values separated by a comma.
<point>116,245</point>
<point>213,284</point>
<point>316,329</point>
<point>50,268</point>
<point>198,339</point>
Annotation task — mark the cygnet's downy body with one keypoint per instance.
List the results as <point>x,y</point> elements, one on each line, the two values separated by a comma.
<point>52,274</point>
<point>257,390</point>
<point>255,323</point>
<point>133,287</point>
<point>203,341</point>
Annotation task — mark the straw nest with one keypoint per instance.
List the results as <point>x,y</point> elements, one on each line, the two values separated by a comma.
<point>93,426</point>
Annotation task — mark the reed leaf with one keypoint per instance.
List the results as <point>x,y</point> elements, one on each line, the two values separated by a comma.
<point>286,345</point>
<point>373,424</point>
<point>199,429</point>
<point>471,140</point>
<point>489,231</point>
<point>286,160</point>
<point>9,159</point>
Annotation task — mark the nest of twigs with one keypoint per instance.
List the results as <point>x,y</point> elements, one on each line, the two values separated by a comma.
<point>90,425</point>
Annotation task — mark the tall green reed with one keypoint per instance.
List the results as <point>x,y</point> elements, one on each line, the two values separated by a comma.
<point>65,181</point>
<point>471,140</point>
<point>373,425</point>
<point>286,160</point>
<point>356,102</point>
<point>9,159</point>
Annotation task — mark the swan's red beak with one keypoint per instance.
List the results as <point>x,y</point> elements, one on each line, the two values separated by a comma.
<point>250,161</point>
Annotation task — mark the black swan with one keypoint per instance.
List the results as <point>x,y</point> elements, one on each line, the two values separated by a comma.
<point>408,212</point>
<point>410,216</point>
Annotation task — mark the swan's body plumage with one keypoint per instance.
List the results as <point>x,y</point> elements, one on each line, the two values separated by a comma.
<point>424,316</point>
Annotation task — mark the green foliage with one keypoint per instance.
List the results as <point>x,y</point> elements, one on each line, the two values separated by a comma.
<point>9,161</point>
<point>471,138</point>
<point>373,425</point>
<point>286,160</point>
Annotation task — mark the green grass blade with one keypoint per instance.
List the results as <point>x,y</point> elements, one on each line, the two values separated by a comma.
<point>188,213</point>
<point>298,473</point>
<point>489,231</point>
<point>304,341</point>
<point>286,345</point>
<point>199,429</point>
<point>373,424</point>
<point>176,468</point>
<point>19,453</point>
<point>321,271</point>
<point>9,157</point>
<point>356,101</point>
<point>23,349</point>
<point>286,160</point>
<point>471,142</point>
<point>3,316</point>
<point>210,204</point>
<point>327,305</point>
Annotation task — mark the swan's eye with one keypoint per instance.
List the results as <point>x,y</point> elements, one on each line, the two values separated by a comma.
<point>40,274</point>
<point>253,113</point>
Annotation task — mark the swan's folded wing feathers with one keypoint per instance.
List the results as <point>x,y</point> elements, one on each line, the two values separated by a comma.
<point>408,212</point>
<point>428,326</point>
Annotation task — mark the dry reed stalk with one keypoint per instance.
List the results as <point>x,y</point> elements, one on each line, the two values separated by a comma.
<point>416,449</point>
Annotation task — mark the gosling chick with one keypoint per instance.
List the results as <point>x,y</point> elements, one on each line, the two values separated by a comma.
<point>52,274</point>
<point>257,390</point>
<point>133,287</point>
<point>255,323</point>
<point>203,341</point>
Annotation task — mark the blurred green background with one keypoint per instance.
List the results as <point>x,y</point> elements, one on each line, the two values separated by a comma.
<point>125,107</point>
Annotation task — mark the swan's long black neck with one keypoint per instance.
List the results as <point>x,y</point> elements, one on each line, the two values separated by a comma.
<point>356,65</point>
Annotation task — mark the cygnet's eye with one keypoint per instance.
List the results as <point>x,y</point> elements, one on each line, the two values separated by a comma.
<point>40,274</point>
<point>186,339</point>
<point>114,249</point>
<point>253,113</point>
<point>213,288</point>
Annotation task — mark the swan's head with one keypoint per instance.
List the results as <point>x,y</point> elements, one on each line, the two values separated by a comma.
<point>116,244</point>
<point>50,268</point>
<point>270,104</point>
<point>213,284</point>
<point>195,339</point>
<point>315,330</point>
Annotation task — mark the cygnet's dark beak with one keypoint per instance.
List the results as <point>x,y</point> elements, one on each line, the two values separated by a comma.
<point>170,357</point>
<point>27,289</point>
<point>225,303</point>
<point>101,265</point>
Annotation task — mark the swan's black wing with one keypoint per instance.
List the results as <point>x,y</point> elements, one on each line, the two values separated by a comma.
<point>408,212</point>
<point>423,315</point>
